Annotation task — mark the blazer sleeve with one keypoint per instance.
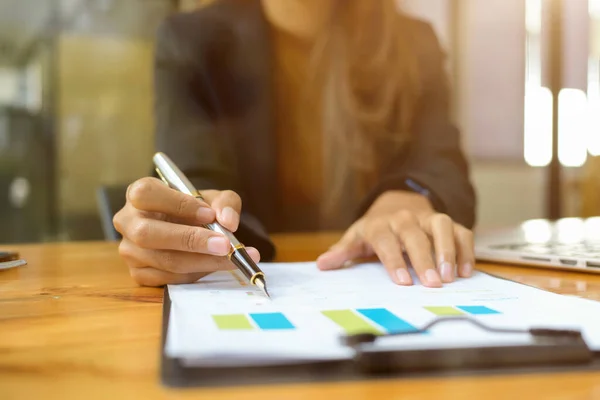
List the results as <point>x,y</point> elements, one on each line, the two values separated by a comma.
<point>435,164</point>
<point>190,131</point>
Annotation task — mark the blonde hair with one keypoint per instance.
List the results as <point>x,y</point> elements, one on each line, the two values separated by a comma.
<point>367,75</point>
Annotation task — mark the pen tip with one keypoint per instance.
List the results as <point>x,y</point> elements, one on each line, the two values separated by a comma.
<point>263,286</point>
<point>265,291</point>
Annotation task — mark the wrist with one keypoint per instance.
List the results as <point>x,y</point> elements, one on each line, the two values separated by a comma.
<point>395,200</point>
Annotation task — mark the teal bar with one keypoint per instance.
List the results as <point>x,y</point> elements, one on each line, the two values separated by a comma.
<point>478,310</point>
<point>387,320</point>
<point>272,321</point>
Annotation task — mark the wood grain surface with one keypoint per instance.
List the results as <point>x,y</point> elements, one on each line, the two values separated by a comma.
<point>73,325</point>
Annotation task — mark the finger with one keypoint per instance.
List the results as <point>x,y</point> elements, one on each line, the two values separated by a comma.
<point>178,262</point>
<point>349,247</point>
<point>406,226</point>
<point>389,251</point>
<point>147,275</point>
<point>227,205</point>
<point>151,195</point>
<point>466,250</point>
<point>441,228</point>
<point>163,235</point>
<point>254,254</point>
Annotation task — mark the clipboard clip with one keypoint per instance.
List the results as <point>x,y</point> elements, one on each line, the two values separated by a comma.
<point>549,347</point>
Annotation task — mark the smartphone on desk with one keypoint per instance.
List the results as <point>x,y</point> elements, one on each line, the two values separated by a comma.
<point>8,256</point>
<point>10,260</point>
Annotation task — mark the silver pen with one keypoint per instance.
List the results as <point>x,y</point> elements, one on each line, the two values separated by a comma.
<point>174,178</point>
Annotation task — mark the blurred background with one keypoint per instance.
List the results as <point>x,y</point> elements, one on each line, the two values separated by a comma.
<point>76,106</point>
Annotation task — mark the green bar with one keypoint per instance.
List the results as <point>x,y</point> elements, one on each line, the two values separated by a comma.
<point>351,322</point>
<point>444,311</point>
<point>232,322</point>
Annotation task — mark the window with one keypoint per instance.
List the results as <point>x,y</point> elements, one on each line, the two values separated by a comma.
<point>538,99</point>
<point>578,108</point>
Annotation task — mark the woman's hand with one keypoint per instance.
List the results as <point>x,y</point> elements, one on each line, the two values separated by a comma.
<point>438,248</point>
<point>163,241</point>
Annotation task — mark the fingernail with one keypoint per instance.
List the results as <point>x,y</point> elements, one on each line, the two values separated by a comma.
<point>329,260</point>
<point>432,277</point>
<point>447,271</point>
<point>403,276</point>
<point>467,270</point>
<point>326,255</point>
<point>322,260</point>
<point>205,214</point>
<point>230,216</point>
<point>217,245</point>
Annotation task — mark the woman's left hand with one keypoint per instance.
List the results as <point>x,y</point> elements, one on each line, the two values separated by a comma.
<point>438,248</point>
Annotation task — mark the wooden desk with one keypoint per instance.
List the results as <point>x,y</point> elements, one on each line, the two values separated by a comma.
<point>74,326</point>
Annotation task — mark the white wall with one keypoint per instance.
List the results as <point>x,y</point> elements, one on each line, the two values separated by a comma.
<point>491,74</point>
<point>507,194</point>
<point>595,36</point>
<point>576,43</point>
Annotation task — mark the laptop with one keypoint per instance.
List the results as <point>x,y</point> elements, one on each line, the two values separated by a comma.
<point>567,244</point>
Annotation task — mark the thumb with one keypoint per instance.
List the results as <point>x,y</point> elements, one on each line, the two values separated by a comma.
<point>347,249</point>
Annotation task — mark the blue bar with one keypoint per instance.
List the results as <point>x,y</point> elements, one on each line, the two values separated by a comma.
<point>270,321</point>
<point>478,310</point>
<point>387,320</point>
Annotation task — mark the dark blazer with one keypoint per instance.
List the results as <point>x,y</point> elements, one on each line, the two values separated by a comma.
<point>214,110</point>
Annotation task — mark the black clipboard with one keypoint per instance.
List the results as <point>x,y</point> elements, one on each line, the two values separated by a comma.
<point>553,351</point>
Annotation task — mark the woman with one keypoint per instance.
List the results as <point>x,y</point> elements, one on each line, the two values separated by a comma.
<point>313,114</point>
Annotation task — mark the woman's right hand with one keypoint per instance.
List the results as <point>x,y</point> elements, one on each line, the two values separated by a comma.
<point>163,240</point>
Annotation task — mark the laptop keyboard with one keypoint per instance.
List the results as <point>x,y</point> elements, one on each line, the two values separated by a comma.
<point>589,250</point>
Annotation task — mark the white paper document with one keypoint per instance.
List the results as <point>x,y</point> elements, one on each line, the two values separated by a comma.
<point>223,320</point>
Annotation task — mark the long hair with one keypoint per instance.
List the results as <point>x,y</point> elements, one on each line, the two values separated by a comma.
<point>366,74</point>
<point>366,78</point>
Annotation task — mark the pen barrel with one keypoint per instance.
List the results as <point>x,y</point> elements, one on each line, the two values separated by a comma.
<point>238,254</point>
<point>216,227</point>
<point>241,259</point>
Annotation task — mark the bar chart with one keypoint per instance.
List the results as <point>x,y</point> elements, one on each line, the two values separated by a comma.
<point>443,311</point>
<point>351,321</point>
<point>264,321</point>
<point>369,320</point>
